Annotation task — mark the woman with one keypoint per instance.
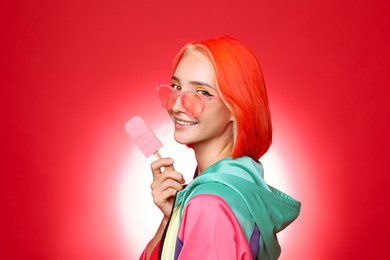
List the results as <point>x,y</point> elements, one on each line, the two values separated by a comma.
<point>218,102</point>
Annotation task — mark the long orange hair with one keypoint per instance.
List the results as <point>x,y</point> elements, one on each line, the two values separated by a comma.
<point>241,86</point>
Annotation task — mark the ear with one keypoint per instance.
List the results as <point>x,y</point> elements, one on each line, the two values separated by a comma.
<point>232,118</point>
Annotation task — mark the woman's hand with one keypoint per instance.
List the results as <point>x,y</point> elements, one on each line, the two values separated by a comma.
<point>165,184</point>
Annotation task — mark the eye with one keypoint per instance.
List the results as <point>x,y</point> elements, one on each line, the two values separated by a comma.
<point>204,92</point>
<point>176,86</point>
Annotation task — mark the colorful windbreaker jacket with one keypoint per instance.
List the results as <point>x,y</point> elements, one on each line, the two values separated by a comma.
<point>228,212</point>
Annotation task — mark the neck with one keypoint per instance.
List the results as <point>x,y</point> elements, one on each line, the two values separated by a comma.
<point>208,153</point>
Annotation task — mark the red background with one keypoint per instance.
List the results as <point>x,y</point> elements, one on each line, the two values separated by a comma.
<point>73,72</point>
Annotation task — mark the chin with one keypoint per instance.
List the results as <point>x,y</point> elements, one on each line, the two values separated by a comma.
<point>179,139</point>
<point>183,140</point>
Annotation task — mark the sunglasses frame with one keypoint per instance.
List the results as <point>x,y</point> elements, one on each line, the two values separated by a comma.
<point>179,93</point>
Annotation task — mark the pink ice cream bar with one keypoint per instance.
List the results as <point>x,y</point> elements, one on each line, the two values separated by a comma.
<point>143,136</point>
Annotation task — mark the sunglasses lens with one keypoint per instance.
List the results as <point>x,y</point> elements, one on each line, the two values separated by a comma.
<point>166,96</point>
<point>192,103</point>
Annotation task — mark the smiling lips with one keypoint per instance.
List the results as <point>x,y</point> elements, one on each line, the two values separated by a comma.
<point>184,123</point>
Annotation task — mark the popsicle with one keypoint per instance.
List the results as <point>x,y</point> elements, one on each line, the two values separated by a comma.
<point>143,136</point>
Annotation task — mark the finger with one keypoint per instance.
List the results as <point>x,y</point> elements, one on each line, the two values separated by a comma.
<point>170,179</point>
<point>163,197</point>
<point>176,176</point>
<point>171,184</point>
<point>158,164</point>
<point>169,168</point>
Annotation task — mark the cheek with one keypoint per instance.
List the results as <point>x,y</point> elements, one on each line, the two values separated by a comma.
<point>170,114</point>
<point>222,112</point>
<point>217,117</point>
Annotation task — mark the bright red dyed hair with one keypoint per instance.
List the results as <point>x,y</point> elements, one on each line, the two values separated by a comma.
<point>242,88</point>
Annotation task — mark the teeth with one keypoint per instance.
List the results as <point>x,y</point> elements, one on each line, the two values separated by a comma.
<point>180,122</point>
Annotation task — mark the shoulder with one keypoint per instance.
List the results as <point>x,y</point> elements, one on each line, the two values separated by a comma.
<point>215,188</point>
<point>209,224</point>
<point>217,198</point>
<point>220,191</point>
<point>207,203</point>
<point>209,210</point>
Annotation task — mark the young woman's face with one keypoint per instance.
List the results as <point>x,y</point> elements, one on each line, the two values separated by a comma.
<point>195,73</point>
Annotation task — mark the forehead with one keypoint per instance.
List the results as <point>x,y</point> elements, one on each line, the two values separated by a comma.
<point>195,66</point>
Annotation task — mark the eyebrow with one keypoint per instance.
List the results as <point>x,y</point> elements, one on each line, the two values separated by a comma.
<point>199,83</point>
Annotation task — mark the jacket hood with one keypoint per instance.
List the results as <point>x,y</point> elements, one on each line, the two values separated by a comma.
<point>271,209</point>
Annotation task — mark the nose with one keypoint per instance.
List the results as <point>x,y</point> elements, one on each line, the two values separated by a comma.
<point>177,107</point>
